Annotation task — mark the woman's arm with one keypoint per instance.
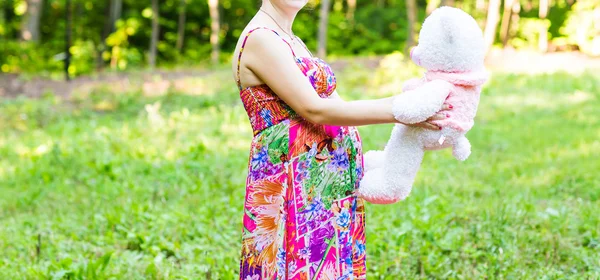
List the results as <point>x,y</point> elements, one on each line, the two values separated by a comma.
<point>268,57</point>
<point>426,124</point>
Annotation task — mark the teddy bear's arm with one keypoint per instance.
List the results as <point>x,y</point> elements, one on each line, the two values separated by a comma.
<point>419,104</point>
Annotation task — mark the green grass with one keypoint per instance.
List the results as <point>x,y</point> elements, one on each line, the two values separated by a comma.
<point>99,187</point>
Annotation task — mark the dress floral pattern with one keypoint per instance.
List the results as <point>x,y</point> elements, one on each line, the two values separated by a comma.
<point>301,217</point>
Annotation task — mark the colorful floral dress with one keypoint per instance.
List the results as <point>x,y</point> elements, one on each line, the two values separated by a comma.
<point>301,217</point>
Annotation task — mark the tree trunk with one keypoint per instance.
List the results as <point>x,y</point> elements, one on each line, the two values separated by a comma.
<point>543,40</point>
<point>514,20</point>
<point>113,13</point>
<point>154,38</point>
<point>411,13</point>
<point>215,28</point>
<point>480,5</point>
<point>431,6</point>
<point>2,20</point>
<point>181,25</point>
<point>528,6</point>
<point>449,3</point>
<point>351,9</point>
<point>491,24</point>
<point>116,6</point>
<point>505,25</point>
<point>31,26</point>
<point>67,39</point>
<point>323,21</point>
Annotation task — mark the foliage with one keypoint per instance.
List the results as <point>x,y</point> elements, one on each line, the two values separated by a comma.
<point>376,27</point>
<point>528,33</point>
<point>583,26</point>
<point>26,57</point>
<point>116,184</point>
<point>121,55</point>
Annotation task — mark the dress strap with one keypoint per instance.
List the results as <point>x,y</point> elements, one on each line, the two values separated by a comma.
<point>244,44</point>
<point>304,45</point>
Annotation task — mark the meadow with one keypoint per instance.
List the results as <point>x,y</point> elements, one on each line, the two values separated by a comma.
<point>116,183</point>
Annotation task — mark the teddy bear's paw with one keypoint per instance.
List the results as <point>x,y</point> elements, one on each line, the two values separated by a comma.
<point>373,159</point>
<point>461,155</point>
<point>417,105</point>
<point>462,149</point>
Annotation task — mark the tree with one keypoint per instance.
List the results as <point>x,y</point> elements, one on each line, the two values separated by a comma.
<point>181,25</point>
<point>431,5</point>
<point>31,26</point>
<point>215,28</point>
<point>154,37</point>
<point>543,40</point>
<point>351,9</point>
<point>116,6</point>
<point>2,21</point>
<point>323,22</point>
<point>450,3</point>
<point>491,23</point>
<point>480,5</point>
<point>113,13</point>
<point>506,18</point>
<point>411,12</point>
<point>67,39</point>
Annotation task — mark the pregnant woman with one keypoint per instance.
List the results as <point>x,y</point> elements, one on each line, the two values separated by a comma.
<point>302,219</point>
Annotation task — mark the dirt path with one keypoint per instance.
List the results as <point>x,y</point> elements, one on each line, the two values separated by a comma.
<point>527,62</point>
<point>498,60</point>
<point>12,85</point>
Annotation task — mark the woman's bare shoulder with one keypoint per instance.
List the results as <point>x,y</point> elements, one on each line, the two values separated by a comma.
<point>265,44</point>
<point>254,41</point>
<point>264,53</point>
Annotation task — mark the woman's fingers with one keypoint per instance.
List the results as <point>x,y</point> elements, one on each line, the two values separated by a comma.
<point>427,125</point>
<point>432,126</point>
<point>446,107</point>
<point>439,116</point>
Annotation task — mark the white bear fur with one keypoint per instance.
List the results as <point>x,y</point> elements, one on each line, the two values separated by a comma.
<point>450,41</point>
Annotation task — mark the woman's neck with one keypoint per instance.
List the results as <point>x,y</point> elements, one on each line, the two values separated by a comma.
<point>283,19</point>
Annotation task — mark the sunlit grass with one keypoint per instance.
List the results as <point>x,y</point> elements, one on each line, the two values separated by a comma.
<point>152,186</point>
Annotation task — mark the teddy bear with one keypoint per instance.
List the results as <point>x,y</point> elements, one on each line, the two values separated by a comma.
<point>452,50</point>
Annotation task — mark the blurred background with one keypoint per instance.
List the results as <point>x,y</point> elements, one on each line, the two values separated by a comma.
<point>124,145</point>
<point>120,35</point>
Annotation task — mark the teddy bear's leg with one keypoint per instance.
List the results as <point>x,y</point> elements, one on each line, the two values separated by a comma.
<point>462,148</point>
<point>372,160</point>
<point>417,105</point>
<point>372,184</point>
<point>372,188</point>
<point>393,181</point>
<point>404,154</point>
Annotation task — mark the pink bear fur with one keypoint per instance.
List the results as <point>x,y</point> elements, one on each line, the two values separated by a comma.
<point>464,96</point>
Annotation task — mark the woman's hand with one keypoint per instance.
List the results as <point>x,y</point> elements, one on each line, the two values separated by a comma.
<point>441,115</point>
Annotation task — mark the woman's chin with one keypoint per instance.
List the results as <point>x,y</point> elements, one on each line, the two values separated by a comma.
<point>297,3</point>
<point>294,5</point>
